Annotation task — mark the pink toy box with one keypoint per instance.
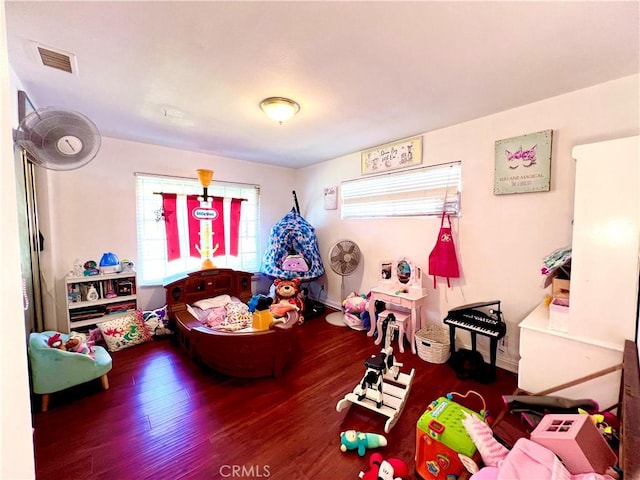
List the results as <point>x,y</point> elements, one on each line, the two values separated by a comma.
<point>577,441</point>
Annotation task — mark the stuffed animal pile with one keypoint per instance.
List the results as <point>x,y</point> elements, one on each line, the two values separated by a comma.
<point>75,343</point>
<point>354,306</point>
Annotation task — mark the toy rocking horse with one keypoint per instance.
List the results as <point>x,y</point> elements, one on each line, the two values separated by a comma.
<point>383,387</point>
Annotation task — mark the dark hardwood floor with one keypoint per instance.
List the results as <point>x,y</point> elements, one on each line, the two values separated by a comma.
<point>166,418</point>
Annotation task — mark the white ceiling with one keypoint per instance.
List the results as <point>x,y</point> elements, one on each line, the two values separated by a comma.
<point>364,73</point>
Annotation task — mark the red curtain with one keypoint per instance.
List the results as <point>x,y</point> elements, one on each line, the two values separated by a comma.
<point>194,226</point>
<point>217,226</point>
<point>171,225</point>
<point>234,227</point>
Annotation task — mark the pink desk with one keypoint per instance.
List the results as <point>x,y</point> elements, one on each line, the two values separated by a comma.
<point>415,301</point>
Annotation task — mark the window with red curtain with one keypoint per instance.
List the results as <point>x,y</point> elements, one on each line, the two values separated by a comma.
<point>167,237</point>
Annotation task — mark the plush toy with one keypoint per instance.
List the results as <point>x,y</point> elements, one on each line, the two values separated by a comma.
<point>77,343</point>
<point>289,291</point>
<point>352,440</point>
<point>354,306</point>
<point>258,303</point>
<point>355,303</point>
<point>389,469</point>
<point>283,307</point>
<point>295,263</point>
<point>95,336</point>
<point>157,322</point>
<point>55,341</point>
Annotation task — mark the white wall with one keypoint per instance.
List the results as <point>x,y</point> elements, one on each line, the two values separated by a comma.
<point>86,212</point>
<point>500,240</point>
<point>16,447</point>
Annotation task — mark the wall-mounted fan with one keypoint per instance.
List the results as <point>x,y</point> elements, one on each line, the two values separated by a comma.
<point>344,258</point>
<point>58,139</point>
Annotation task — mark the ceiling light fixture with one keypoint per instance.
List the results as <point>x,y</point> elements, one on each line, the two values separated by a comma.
<point>279,109</point>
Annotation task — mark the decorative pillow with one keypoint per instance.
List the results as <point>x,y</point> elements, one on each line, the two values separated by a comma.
<point>219,301</point>
<point>125,331</point>
<point>491,451</point>
<point>157,322</point>
<point>95,336</point>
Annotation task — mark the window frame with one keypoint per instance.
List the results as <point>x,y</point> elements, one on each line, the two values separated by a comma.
<point>423,191</point>
<point>151,235</point>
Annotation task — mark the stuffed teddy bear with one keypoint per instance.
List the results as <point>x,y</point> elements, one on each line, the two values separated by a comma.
<point>352,440</point>
<point>289,291</point>
<point>389,469</point>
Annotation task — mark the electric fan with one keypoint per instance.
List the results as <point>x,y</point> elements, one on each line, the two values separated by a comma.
<point>344,258</point>
<point>58,139</point>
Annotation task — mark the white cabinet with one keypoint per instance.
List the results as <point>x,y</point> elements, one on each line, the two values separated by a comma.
<point>604,280</point>
<point>97,298</point>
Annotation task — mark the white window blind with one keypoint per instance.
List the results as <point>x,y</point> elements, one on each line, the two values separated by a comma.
<point>153,266</point>
<point>416,192</point>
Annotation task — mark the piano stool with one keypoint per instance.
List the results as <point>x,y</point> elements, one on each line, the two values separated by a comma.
<point>402,323</point>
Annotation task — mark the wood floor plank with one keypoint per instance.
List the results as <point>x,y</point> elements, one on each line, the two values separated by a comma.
<point>165,417</point>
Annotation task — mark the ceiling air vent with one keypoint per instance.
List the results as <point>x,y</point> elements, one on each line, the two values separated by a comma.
<point>61,61</point>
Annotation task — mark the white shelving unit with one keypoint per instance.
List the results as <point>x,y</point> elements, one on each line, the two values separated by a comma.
<point>604,280</point>
<point>116,295</point>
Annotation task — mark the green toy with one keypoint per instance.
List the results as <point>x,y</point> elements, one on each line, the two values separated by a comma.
<point>352,440</point>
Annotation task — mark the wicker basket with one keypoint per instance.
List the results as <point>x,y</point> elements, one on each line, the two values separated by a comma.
<point>433,343</point>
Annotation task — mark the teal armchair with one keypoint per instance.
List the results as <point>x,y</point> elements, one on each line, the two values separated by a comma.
<point>53,370</point>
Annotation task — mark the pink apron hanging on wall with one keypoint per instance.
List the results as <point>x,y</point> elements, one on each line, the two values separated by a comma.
<point>443,261</point>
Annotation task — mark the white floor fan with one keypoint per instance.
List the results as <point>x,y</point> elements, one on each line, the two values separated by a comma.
<point>344,258</point>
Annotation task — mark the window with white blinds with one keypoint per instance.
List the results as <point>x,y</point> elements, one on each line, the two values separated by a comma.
<point>416,192</point>
<point>152,266</point>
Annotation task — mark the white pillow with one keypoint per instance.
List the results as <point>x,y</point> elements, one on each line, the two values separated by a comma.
<point>219,301</point>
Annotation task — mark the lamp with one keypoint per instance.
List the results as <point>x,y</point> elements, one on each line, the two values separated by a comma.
<point>206,247</point>
<point>279,109</point>
<point>205,177</point>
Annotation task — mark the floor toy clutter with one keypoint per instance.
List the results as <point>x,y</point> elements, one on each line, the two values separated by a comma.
<point>381,469</point>
<point>353,440</point>
<point>383,388</point>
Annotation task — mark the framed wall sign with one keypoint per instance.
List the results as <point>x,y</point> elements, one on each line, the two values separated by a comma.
<point>331,198</point>
<point>523,164</point>
<point>391,156</point>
